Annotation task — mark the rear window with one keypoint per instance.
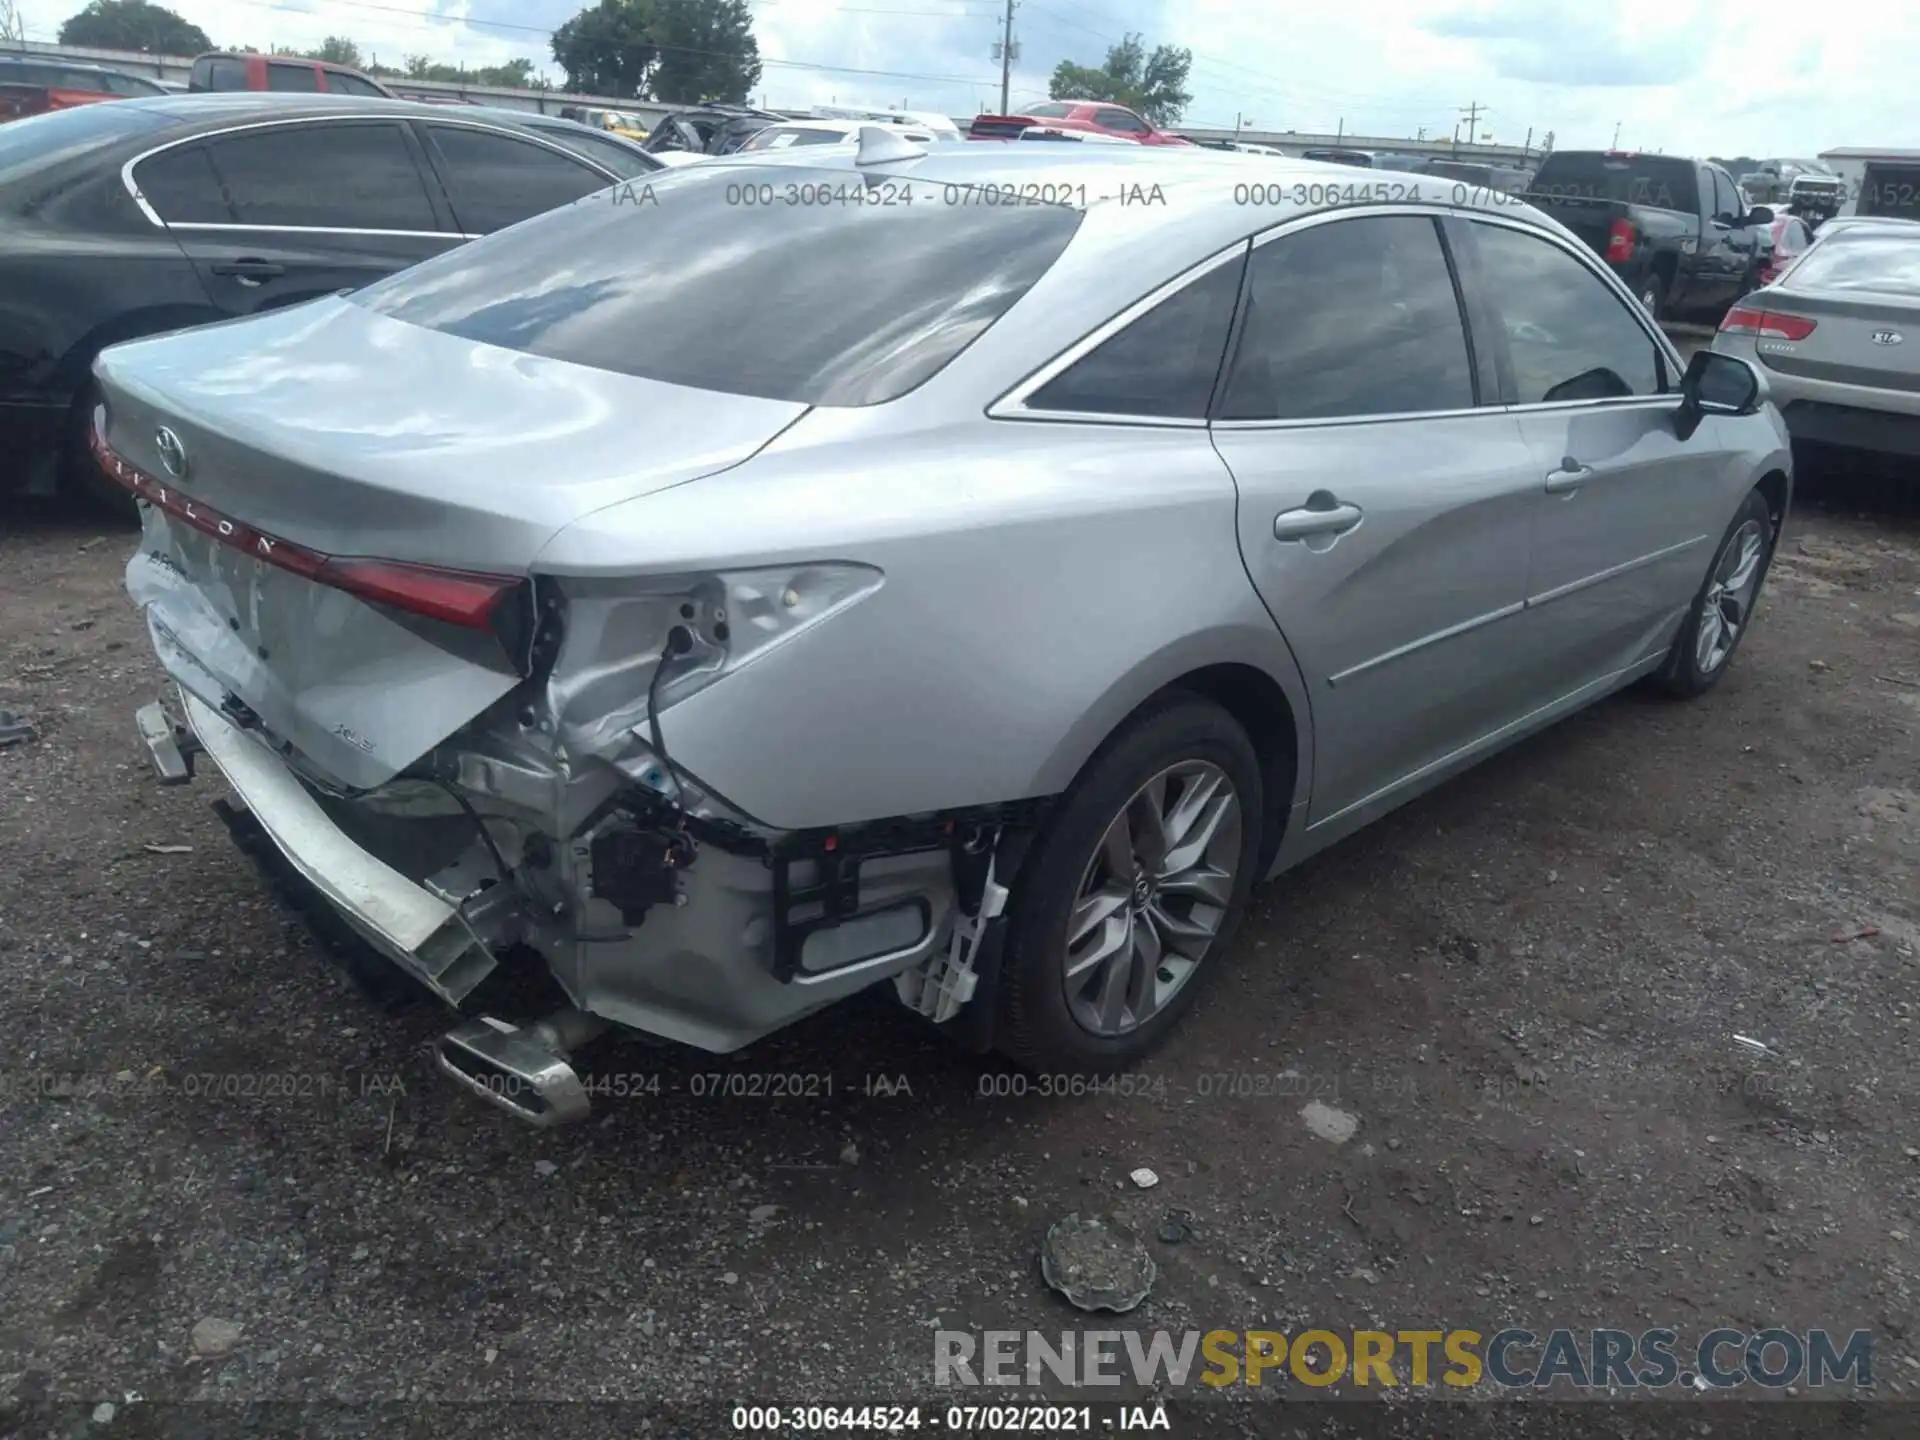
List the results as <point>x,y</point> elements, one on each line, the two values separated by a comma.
<point>1891,190</point>
<point>705,278</point>
<point>1049,112</point>
<point>41,142</point>
<point>1863,259</point>
<point>785,137</point>
<point>1658,182</point>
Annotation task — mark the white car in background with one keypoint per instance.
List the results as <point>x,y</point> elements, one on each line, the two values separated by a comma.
<point>941,126</point>
<point>789,134</point>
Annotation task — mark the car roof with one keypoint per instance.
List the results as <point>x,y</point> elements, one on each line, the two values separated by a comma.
<point>213,108</point>
<point>1201,193</point>
<point>57,62</point>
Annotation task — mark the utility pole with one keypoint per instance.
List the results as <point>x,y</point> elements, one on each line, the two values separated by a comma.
<point>1008,52</point>
<point>1616,135</point>
<point>1471,115</point>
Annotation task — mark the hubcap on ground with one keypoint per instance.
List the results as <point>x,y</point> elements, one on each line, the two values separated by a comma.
<point>1152,897</point>
<point>1729,599</point>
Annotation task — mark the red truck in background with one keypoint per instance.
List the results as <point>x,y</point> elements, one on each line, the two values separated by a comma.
<point>1088,115</point>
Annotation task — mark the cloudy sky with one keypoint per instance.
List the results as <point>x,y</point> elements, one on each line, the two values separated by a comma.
<point>1727,77</point>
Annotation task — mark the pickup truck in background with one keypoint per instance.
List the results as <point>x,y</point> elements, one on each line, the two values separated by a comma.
<point>1677,231</point>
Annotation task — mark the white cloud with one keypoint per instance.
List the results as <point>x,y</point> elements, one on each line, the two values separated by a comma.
<point>1727,77</point>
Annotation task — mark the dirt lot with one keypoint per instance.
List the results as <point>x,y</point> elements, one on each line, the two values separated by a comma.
<point>1525,987</point>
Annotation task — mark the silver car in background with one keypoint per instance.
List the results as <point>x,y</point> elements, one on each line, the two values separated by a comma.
<point>975,579</point>
<point>1838,336</point>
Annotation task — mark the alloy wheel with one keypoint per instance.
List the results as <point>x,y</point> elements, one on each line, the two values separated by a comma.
<point>1728,603</point>
<point>1152,897</point>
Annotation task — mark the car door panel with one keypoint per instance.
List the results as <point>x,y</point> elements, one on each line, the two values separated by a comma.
<point>1620,505</point>
<point>1402,625</point>
<point>1397,606</point>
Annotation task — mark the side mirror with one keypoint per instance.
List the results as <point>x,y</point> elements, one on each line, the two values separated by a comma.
<point>1760,215</point>
<point>1717,384</point>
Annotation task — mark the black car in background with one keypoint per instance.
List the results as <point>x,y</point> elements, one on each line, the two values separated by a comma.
<point>1678,231</point>
<point>710,128</point>
<point>140,216</point>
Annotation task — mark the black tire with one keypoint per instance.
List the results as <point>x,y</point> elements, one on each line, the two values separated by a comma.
<point>1683,675</point>
<point>1036,1026</point>
<point>81,479</point>
<point>1652,294</point>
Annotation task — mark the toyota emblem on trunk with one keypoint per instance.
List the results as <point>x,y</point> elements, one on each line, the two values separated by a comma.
<point>1887,337</point>
<point>173,454</point>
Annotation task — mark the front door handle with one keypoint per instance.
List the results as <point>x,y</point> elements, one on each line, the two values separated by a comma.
<point>1569,477</point>
<point>1321,515</point>
<point>249,271</point>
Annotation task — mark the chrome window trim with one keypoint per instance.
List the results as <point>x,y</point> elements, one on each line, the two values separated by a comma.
<point>204,136</point>
<point>1012,405</point>
<point>223,226</point>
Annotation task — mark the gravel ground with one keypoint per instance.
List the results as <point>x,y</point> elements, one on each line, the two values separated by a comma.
<point>1523,986</point>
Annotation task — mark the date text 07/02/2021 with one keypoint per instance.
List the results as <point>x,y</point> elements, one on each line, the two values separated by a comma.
<point>957,1420</point>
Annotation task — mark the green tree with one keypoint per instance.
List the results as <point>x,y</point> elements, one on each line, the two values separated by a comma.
<point>134,25</point>
<point>338,50</point>
<point>1155,85</point>
<point>706,49</point>
<point>607,49</point>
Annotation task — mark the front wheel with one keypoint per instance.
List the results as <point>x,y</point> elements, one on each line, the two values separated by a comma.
<point>1722,612</point>
<point>1132,892</point>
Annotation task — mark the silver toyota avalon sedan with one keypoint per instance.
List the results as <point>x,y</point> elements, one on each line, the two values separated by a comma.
<point>969,568</point>
<point>1838,335</point>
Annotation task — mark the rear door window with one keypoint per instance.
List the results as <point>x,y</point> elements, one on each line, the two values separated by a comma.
<point>1656,181</point>
<point>341,83</point>
<point>1122,120</point>
<point>1356,317</point>
<point>356,176</point>
<point>290,75</point>
<point>183,188</point>
<point>228,72</point>
<point>1161,366</point>
<point>495,180</point>
<point>826,304</point>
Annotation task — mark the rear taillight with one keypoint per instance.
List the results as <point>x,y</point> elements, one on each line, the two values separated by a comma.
<point>1765,324</point>
<point>459,597</point>
<point>1622,240</point>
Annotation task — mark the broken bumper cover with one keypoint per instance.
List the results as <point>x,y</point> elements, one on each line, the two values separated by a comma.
<point>704,971</point>
<point>418,930</point>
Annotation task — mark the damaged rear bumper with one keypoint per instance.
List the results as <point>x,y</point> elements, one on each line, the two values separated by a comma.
<point>428,936</point>
<point>710,967</point>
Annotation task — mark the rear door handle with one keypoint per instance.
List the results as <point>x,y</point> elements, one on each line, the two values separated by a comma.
<point>249,271</point>
<point>1328,517</point>
<point>1569,477</point>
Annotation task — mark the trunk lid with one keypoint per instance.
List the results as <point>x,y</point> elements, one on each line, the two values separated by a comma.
<point>1856,340</point>
<point>330,431</point>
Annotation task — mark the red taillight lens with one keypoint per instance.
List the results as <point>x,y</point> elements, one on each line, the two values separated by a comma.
<point>1622,239</point>
<point>1765,324</point>
<point>459,597</point>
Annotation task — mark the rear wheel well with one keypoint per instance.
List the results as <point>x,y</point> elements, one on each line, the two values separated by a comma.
<point>1256,700</point>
